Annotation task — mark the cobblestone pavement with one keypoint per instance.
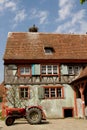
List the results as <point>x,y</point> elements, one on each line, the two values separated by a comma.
<point>57,124</point>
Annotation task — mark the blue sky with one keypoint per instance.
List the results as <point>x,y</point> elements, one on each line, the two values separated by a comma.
<point>56,16</point>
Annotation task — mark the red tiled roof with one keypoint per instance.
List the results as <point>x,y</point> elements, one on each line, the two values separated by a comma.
<point>29,45</point>
<point>83,73</point>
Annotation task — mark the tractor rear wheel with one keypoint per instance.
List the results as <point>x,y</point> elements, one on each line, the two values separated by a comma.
<point>34,116</point>
<point>9,120</point>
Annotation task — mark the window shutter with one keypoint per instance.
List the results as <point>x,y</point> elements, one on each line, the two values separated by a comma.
<point>35,69</point>
<point>64,69</point>
<point>41,93</point>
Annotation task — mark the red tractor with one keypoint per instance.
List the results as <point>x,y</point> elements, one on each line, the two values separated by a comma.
<point>33,114</point>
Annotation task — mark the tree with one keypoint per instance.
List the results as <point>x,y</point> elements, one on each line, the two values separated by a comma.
<point>82,1</point>
<point>13,97</point>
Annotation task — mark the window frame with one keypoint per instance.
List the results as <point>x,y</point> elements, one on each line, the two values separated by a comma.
<point>25,74</point>
<point>74,71</point>
<point>28,92</point>
<point>55,96</point>
<point>49,50</point>
<point>48,71</point>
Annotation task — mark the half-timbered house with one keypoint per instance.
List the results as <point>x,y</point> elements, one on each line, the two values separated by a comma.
<point>38,68</point>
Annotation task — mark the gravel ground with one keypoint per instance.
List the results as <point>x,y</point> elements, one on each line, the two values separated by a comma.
<point>52,124</point>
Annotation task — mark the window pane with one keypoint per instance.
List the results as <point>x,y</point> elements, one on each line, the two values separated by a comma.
<point>59,92</point>
<point>49,69</point>
<point>70,70</point>
<point>23,92</point>
<point>76,69</point>
<point>26,94</point>
<point>22,70</point>
<point>55,69</point>
<point>27,70</point>
<point>43,69</point>
<point>46,92</point>
<point>26,89</point>
<point>52,92</point>
<point>22,89</point>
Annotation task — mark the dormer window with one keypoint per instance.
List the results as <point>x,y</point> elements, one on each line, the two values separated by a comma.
<point>49,50</point>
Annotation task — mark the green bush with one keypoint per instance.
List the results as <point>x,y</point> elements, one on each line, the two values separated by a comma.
<point>1,118</point>
<point>0,99</point>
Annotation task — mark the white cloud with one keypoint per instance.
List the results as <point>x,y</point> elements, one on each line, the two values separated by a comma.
<point>78,16</point>
<point>63,28</point>
<point>83,27</point>
<point>41,15</point>
<point>63,2</point>
<point>1,8</point>
<point>19,17</point>
<point>76,24</point>
<point>11,5</point>
<point>65,8</point>
<point>65,12</point>
<point>70,19</point>
<point>2,1</point>
<point>7,4</point>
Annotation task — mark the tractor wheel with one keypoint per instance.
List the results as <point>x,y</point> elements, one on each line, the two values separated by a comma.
<point>9,120</point>
<point>34,116</point>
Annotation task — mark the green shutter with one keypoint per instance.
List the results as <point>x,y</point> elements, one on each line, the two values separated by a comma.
<point>64,69</point>
<point>35,69</point>
<point>41,94</point>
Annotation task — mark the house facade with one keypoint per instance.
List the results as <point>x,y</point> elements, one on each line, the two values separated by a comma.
<point>38,69</point>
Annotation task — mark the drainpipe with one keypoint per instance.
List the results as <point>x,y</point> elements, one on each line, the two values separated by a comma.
<point>75,103</point>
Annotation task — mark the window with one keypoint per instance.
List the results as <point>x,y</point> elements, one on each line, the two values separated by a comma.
<point>49,50</point>
<point>76,69</point>
<point>25,70</point>
<point>24,92</point>
<point>73,69</point>
<point>54,92</point>
<point>49,69</point>
<point>70,70</point>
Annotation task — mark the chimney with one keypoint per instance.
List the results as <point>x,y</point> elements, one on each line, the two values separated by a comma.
<point>33,29</point>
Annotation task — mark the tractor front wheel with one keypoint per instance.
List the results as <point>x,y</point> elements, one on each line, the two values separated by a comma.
<point>9,120</point>
<point>34,116</point>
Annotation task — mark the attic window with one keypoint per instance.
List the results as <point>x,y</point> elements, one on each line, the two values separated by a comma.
<point>49,50</point>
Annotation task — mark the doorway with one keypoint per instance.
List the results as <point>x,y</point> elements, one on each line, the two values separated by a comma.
<point>68,112</point>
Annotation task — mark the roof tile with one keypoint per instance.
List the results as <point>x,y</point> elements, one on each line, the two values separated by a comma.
<point>29,45</point>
